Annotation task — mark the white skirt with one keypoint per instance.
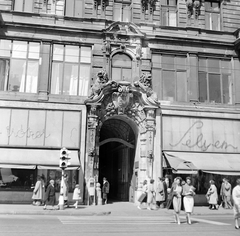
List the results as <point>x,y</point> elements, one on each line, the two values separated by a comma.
<point>188,203</point>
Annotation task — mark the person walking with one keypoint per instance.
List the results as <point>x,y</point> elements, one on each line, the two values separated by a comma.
<point>50,198</point>
<point>150,194</point>
<point>225,193</point>
<point>188,199</point>
<point>38,192</point>
<point>212,196</point>
<point>177,198</point>
<point>105,190</point>
<point>236,203</point>
<point>143,197</point>
<point>76,195</point>
<point>160,193</point>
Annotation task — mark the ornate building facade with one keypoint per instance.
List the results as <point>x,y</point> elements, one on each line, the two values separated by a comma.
<point>134,89</point>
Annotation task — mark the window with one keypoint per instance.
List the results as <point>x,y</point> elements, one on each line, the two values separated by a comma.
<point>70,70</point>
<point>212,15</point>
<point>19,72</point>
<point>169,12</point>
<point>170,76</point>
<point>214,81</point>
<point>74,8</point>
<point>121,67</point>
<point>23,5</point>
<point>122,11</point>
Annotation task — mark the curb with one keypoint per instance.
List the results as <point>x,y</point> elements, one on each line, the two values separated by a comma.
<point>55,212</point>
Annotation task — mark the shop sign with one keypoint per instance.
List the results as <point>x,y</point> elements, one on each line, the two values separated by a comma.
<point>23,127</point>
<point>205,135</point>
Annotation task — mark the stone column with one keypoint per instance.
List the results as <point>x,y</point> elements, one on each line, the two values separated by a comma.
<point>92,123</point>
<point>150,133</point>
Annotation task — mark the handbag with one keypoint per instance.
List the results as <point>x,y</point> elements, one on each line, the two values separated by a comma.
<point>142,196</point>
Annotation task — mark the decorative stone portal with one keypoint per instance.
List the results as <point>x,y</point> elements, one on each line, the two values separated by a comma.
<point>121,130</point>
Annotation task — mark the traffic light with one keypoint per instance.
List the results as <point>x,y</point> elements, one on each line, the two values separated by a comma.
<point>64,157</point>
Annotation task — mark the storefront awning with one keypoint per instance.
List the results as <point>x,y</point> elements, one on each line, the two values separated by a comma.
<point>215,163</point>
<point>179,165</point>
<point>30,158</point>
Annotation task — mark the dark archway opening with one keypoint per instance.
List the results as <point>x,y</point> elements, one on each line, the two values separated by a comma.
<point>116,159</point>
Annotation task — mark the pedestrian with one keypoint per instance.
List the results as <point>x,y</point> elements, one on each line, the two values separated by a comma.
<point>225,193</point>
<point>170,192</point>
<point>38,192</point>
<point>143,197</point>
<point>105,190</point>
<point>65,189</point>
<point>188,199</point>
<point>160,193</point>
<point>150,194</point>
<point>76,195</point>
<point>177,198</point>
<point>50,198</point>
<point>212,196</point>
<point>236,203</point>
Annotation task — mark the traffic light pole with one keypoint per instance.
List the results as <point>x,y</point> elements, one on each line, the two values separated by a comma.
<point>61,199</point>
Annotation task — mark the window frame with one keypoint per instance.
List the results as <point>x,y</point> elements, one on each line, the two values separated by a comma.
<point>158,66</point>
<point>210,12</point>
<point>222,72</point>
<point>63,62</point>
<point>121,15</point>
<point>169,8</point>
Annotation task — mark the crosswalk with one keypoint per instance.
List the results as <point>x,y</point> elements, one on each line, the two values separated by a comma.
<point>115,220</point>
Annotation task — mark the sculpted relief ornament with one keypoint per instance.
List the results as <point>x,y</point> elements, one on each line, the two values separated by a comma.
<point>123,98</point>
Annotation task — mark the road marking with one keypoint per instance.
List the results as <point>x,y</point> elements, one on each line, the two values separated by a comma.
<point>116,220</point>
<point>209,221</point>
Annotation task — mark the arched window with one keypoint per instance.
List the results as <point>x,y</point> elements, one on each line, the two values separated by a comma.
<point>121,67</point>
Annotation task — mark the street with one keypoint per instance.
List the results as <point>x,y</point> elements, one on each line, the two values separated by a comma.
<point>29,225</point>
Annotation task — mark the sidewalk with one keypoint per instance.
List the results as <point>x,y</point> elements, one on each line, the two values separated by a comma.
<point>115,209</point>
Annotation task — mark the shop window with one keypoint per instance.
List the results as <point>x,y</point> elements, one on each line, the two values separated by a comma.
<point>25,179</point>
<point>122,11</point>
<point>74,8</point>
<point>212,14</point>
<point>169,12</point>
<point>23,5</point>
<point>214,81</point>
<point>121,67</point>
<point>71,67</point>
<point>17,179</point>
<point>170,77</point>
<point>19,72</point>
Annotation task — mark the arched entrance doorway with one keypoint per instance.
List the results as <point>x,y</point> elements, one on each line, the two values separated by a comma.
<point>116,158</point>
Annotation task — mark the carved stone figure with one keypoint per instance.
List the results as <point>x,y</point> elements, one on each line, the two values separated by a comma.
<point>106,48</point>
<point>101,81</point>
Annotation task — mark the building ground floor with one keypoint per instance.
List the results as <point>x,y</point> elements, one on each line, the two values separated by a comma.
<point>126,145</point>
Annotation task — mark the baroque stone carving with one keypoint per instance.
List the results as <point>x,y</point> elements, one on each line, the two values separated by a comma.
<point>106,48</point>
<point>101,81</point>
<point>145,83</point>
<point>193,5</point>
<point>121,98</point>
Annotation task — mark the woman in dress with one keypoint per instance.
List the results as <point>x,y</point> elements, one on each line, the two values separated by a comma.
<point>150,194</point>
<point>143,198</point>
<point>188,200</point>
<point>177,198</point>
<point>50,198</point>
<point>212,196</point>
<point>160,193</point>
<point>236,203</point>
<point>38,192</point>
<point>76,195</point>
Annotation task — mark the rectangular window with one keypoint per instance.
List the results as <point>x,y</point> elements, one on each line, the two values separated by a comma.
<point>70,70</point>
<point>122,12</point>
<point>169,12</point>
<point>212,14</point>
<point>23,5</point>
<point>214,81</point>
<point>172,75</point>
<point>19,73</point>
<point>74,8</point>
